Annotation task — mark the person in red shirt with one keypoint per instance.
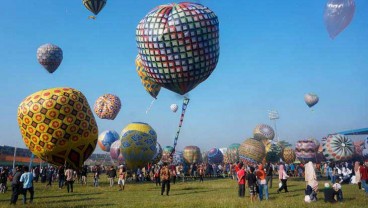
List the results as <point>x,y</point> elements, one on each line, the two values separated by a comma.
<point>364,176</point>
<point>241,180</point>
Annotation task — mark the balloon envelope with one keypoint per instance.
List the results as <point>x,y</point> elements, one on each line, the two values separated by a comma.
<point>288,155</point>
<point>179,45</point>
<point>338,148</point>
<point>50,56</point>
<point>58,126</point>
<point>107,106</point>
<point>158,154</point>
<point>252,151</point>
<point>263,132</point>
<point>232,153</point>
<point>166,154</point>
<point>106,138</point>
<point>311,99</point>
<point>95,6</point>
<point>138,144</point>
<point>174,107</point>
<point>192,154</point>
<point>338,15</point>
<point>215,156</point>
<point>149,84</point>
<point>305,150</point>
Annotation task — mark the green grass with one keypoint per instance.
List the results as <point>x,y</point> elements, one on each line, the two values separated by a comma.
<point>211,193</point>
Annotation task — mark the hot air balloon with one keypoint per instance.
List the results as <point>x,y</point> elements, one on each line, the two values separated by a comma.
<point>263,132</point>
<point>179,45</point>
<point>311,99</point>
<point>107,106</point>
<point>115,153</point>
<point>167,154</point>
<point>232,153</point>
<point>338,148</point>
<point>215,156</point>
<point>305,150</point>
<point>50,56</point>
<point>149,85</point>
<point>192,154</point>
<point>58,126</point>
<point>338,15</point>
<point>174,107</point>
<point>288,155</point>
<point>95,6</point>
<point>252,151</point>
<point>138,144</point>
<point>158,155</point>
<point>106,138</point>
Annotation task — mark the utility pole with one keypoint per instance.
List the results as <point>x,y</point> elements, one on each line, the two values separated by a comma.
<point>273,115</point>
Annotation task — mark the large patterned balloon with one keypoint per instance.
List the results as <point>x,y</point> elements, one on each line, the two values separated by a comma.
<point>115,153</point>
<point>107,106</point>
<point>179,45</point>
<point>311,99</point>
<point>138,144</point>
<point>166,154</point>
<point>338,15</point>
<point>158,154</point>
<point>232,153</point>
<point>106,138</point>
<point>252,150</point>
<point>288,155</point>
<point>50,56</point>
<point>338,148</point>
<point>305,150</point>
<point>95,6</point>
<point>215,156</point>
<point>192,154</point>
<point>149,85</point>
<point>58,126</point>
<point>263,133</point>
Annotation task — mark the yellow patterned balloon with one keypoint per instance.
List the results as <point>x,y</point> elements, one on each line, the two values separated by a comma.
<point>252,150</point>
<point>288,155</point>
<point>138,144</point>
<point>149,85</point>
<point>58,126</point>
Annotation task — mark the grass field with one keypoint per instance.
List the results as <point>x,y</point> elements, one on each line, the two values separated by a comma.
<point>211,193</point>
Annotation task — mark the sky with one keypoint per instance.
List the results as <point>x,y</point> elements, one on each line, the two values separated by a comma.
<point>271,54</point>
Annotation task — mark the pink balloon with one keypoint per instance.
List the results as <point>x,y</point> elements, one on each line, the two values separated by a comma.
<point>338,15</point>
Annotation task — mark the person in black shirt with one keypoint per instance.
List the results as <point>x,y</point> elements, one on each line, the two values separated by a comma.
<point>252,183</point>
<point>269,170</point>
<point>16,186</point>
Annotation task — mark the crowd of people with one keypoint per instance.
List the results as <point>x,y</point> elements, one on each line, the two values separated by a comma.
<point>257,178</point>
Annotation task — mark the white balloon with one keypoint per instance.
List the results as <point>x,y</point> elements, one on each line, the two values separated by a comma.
<point>174,107</point>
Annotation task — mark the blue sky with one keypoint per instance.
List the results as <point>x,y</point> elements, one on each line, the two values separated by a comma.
<point>271,54</point>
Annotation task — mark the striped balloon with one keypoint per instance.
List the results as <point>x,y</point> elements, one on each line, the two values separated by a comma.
<point>252,150</point>
<point>95,6</point>
<point>338,148</point>
<point>263,132</point>
<point>305,150</point>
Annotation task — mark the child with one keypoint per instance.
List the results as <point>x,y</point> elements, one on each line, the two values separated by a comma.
<point>252,183</point>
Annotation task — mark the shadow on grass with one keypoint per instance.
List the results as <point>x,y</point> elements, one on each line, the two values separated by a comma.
<point>192,192</point>
<point>67,195</point>
<point>191,188</point>
<point>71,200</point>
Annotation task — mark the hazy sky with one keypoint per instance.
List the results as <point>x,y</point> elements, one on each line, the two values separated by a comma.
<point>271,54</point>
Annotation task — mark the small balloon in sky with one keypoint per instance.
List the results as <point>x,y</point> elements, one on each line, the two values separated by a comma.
<point>174,107</point>
<point>95,6</point>
<point>311,99</point>
<point>107,106</point>
<point>338,15</point>
<point>50,56</point>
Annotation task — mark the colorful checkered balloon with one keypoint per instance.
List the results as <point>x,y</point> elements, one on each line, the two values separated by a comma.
<point>179,45</point>
<point>138,144</point>
<point>107,106</point>
<point>49,56</point>
<point>149,85</point>
<point>58,126</point>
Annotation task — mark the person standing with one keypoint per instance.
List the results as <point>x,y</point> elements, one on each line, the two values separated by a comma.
<point>96,176</point>
<point>252,182</point>
<point>269,170</point>
<point>111,175</point>
<point>310,176</point>
<point>69,174</point>
<point>84,175</point>
<point>262,183</point>
<point>122,176</point>
<point>283,178</point>
<point>61,174</point>
<point>201,172</point>
<point>50,174</point>
<point>16,186</point>
<point>27,179</point>
<point>357,174</point>
<point>364,176</point>
<point>157,175</point>
<point>165,179</point>
<point>241,180</point>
